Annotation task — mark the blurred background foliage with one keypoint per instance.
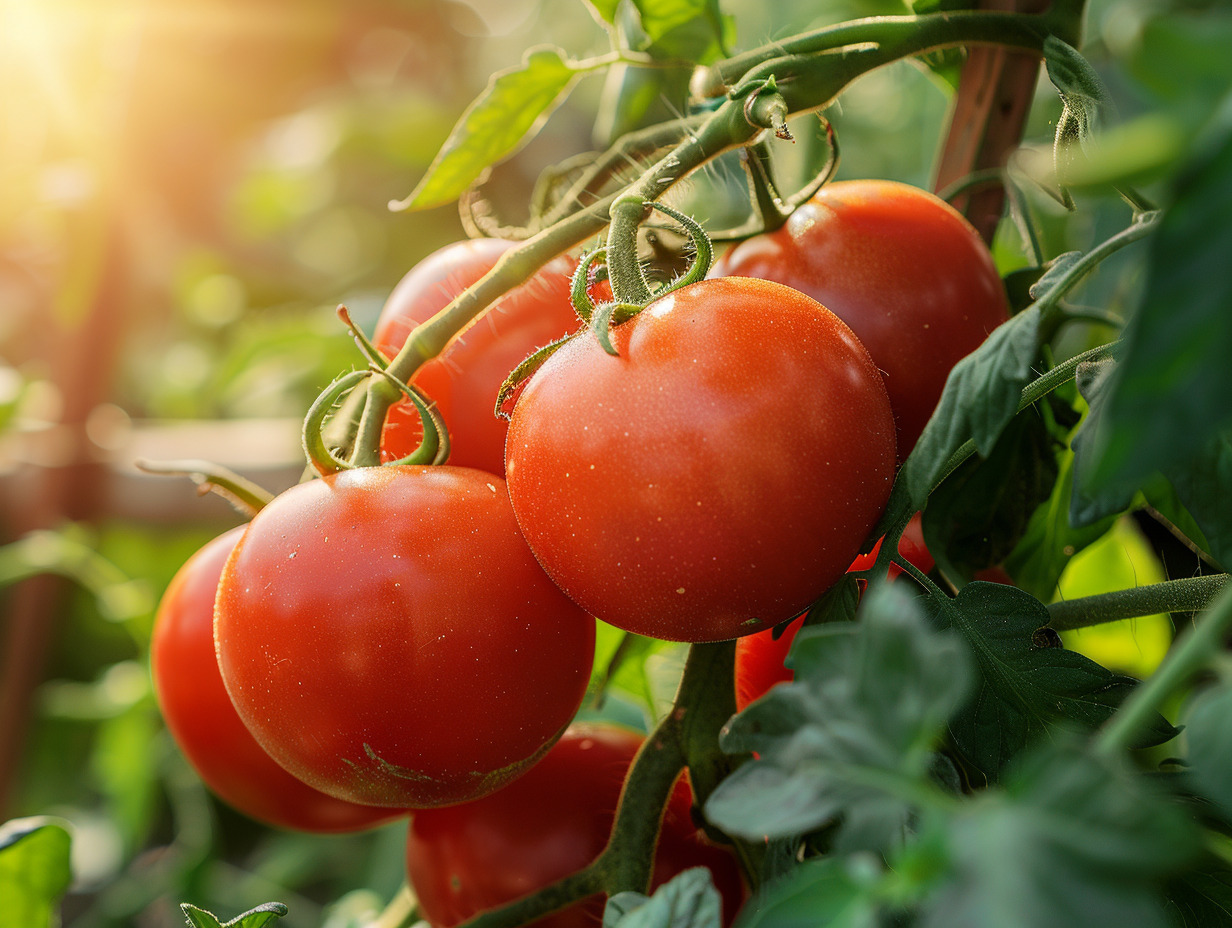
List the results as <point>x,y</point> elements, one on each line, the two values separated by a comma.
<point>188,190</point>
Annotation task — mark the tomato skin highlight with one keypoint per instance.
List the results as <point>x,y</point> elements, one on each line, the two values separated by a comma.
<point>551,822</point>
<point>465,378</point>
<point>388,637</point>
<point>714,478</point>
<point>904,269</point>
<point>205,725</point>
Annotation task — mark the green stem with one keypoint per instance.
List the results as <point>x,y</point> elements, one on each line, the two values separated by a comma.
<point>806,82</point>
<point>248,497</point>
<point>1032,393</point>
<point>627,862</point>
<point>901,36</point>
<point>624,269</point>
<point>1183,662</point>
<point>1190,594</point>
<point>1052,315</point>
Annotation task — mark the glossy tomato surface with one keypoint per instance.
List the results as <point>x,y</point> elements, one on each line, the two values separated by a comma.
<point>902,268</point>
<point>465,377</point>
<point>551,822</point>
<point>205,725</point>
<point>714,478</point>
<point>759,658</point>
<point>388,637</point>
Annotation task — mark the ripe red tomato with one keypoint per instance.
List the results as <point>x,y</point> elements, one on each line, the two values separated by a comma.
<point>551,822</point>
<point>387,636</point>
<point>205,725</point>
<point>759,658</point>
<point>465,377</point>
<point>714,478</point>
<point>903,268</point>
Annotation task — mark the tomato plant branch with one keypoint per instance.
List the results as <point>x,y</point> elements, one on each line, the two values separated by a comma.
<point>1186,659</point>
<point>1032,393</point>
<point>242,493</point>
<point>627,862</point>
<point>898,34</point>
<point>1189,594</point>
<point>1049,302</point>
<point>806,82</point>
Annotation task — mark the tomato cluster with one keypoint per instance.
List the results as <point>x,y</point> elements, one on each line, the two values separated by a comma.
<point>420,638</point>
<point>903,268</point>
<point>546,825</point>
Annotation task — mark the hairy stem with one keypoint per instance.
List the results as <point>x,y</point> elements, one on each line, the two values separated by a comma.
<point>1185,660</point>
<point>1190,594</point>
<point>807,81</point>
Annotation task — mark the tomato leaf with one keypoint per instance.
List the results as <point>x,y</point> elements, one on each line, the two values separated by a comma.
<point>254,918</point>
<point>1074,839</point>
<point>981,396</point>
<point>1083,97</point>
<point>512,106</point>
<point>687,900</point>
<point>978,513</point>
<point>1178,342</point>
<point>1201,898</point>
<point>831,891</point>
<point>34,871</point>
<point>604,9</point>
<point>688,30</point>
<point>1210,747</point>
<point>1200,481</point>
<point>838,741</point>
<point>1050,539</point>
<point>1025,682</point>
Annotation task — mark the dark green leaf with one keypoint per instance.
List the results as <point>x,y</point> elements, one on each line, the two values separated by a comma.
<point>688,900</point>
<point>839,740</point>
<point>34,871</point>
<point>1023,683</point>
<point>1209,737</point>
<point>512,106</point>
<point>981,396</point>
<point>1201,481</point>
<point>835,892</point>
<point>1039,559</point>
<point>254,918</point>
<point>1203,484</point>
<point>978,514</point>
<point>1169,396</point>
<point>837,604</point>
<point>1201,898</point>
<point>1075,840</point>
<point>1089,503</point>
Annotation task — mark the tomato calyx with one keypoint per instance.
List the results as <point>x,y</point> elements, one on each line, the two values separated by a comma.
<point>630,289</point>
<point>433,447</point>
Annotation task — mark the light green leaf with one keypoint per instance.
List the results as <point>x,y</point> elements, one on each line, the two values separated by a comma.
<point>34,871</point>
<point>254,918</point>
<point>513,105</point>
